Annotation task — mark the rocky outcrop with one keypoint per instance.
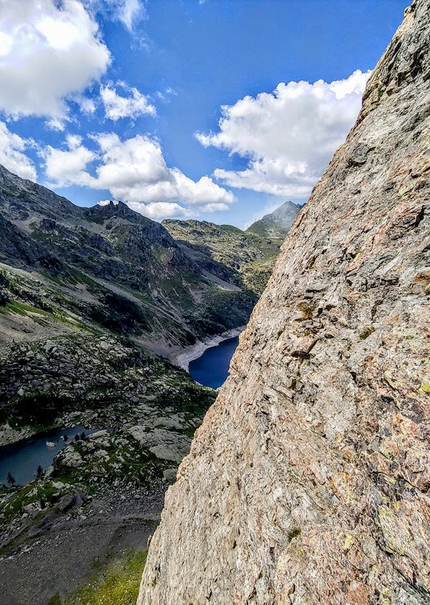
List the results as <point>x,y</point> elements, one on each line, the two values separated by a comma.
<point>39,380</point>
<point>41,383</point>
<point>308,482</point>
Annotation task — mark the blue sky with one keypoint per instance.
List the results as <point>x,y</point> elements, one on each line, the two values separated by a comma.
<point>218,109</point>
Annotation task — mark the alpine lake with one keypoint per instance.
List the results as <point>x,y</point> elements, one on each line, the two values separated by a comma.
<point>211,369</point>
<point>20,461</point>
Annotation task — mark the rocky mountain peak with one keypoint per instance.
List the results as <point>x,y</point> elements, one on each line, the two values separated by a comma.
<point>277,223</point>
<point>308,482</point>
<point>115,209</point>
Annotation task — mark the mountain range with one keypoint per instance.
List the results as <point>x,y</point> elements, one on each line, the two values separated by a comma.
<point>276,224</point>
<point>166,285</point>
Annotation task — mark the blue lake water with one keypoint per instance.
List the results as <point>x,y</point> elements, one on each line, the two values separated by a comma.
<point>21,459</point>
<point>211,369</point>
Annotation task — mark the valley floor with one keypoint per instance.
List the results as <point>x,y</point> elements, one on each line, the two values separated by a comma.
<point>103,496</point>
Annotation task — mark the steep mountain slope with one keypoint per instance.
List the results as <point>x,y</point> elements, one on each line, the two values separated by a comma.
<point>308,482</point>
<point>121,261</point>
<point>277,223</point>
<point>243,258</point>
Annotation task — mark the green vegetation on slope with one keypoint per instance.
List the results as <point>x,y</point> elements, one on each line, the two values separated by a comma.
<point>239,257</point>
<point>117,583</point>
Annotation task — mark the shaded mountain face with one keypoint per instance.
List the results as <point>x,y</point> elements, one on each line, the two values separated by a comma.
<point>308,482</point>
<point>22,200</point>
<point>114,268</point>
<point>277,223</point>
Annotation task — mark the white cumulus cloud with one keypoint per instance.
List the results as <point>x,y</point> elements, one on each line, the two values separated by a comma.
<point>134,171</point>
<point>12,154</point>
<point>68,167</point>
<point>157,210</point>
<point>289,135</point>
<point>131,106</point>
<point>48,51</point>
<point>130,11</point>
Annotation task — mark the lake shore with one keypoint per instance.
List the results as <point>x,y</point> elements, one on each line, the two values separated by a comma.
<point>183,357</point>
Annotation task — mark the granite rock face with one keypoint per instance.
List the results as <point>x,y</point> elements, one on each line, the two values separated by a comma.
<point>308,482</point>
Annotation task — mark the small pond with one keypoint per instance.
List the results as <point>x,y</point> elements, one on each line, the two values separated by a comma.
<point>211,369</point>
<point>22,459</point>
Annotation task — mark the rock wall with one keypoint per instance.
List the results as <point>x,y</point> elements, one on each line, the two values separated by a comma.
<point>308,481</point>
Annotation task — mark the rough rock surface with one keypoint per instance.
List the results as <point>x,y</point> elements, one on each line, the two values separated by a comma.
<point>308,480</point>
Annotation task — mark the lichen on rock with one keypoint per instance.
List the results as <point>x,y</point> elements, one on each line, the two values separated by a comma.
<point>308,482</point>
